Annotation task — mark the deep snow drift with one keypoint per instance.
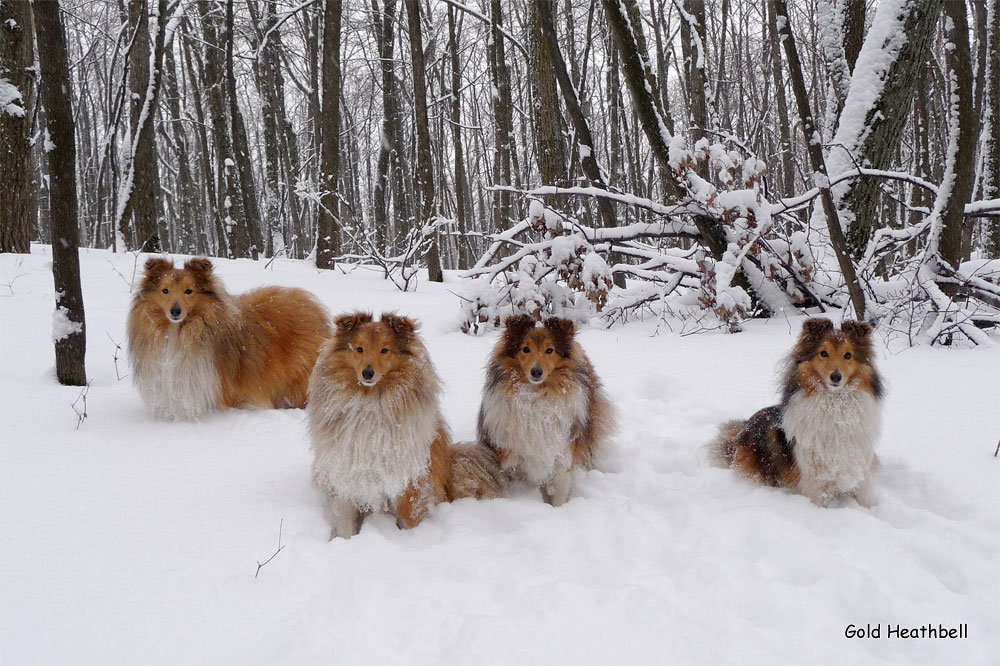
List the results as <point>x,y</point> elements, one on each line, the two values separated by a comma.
<point>130,540</point>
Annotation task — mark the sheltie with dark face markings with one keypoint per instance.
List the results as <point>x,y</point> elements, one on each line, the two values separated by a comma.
<point>543,409</point>
<point>195,348</point>
<point>379,441</point>
<point>820,440</point>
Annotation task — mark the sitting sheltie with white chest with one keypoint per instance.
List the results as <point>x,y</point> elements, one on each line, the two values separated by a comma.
<point>543,409</point>
<point>379,441</point>
<point>195,348</point>
<point>820,440</point>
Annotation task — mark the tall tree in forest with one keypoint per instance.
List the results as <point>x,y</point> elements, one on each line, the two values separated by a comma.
<point>392,157</point>
<point>991,159</point>
<point>876,108</point>
<point>249,240</point>
<point>17,107</point>
<point>550,145</point>
<point>463,203</point>
<point>425,174</point>
<point>138,213</point>
<point>814,149</point>
<point>328,231</point>
<point>69,324</point>
<point>503,123</point>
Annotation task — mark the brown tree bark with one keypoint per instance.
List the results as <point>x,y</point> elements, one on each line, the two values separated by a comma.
<point>787,173</point>
<point>815,151</point>
<point>424,174</point>
<point>71,345</point>
<point>884,123</point>
<point>962,119</point>
<point>463,210</point>
<point>17,184</point>
<point>328,230</point>
<point>503,124</point>
<point>550,145</point>
<point>139,210</point>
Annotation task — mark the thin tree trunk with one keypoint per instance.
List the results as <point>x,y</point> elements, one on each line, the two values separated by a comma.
<point>462,203</point>
<point>815,151</point>
<point>424,173</point>
<point>17,185</point>
<point>70,324</point>
<point>328,228</point>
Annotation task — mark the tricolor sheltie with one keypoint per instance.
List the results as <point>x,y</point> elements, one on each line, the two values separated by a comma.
<point>543,409</point>
<point>195,348</point>
<point>379,441</point>
<point>820,441</point>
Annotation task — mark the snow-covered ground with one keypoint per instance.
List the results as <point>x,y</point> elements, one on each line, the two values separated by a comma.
<point>135,541</point>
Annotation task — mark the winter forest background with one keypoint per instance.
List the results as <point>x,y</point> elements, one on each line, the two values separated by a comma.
<point>698,161</point>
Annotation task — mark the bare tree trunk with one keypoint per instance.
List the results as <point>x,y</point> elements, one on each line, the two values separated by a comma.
<point>871,142</point>
<point>69,323</point>
<point>854,30</point>
<point>424,174</point>
<point>248,235</point>
<point>781,104</point>
<point>503,133</point>
<point>550,145</point>
<point>814,149</point>
<point>695,56</point>
<point>264,77</point>
<point>328,230</point>
<point>462,202</point>
<point>188,211</point>
<point>962,120</point>
<point>139,200</point>
<point>991,158</point>
<point>17,69</point>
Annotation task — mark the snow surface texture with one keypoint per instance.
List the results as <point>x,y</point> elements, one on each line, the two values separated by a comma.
<point>133,540</point>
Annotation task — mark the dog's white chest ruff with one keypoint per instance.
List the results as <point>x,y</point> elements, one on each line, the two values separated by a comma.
<point>177,380</point>
<point>366,451</point>
<point>534,430</point>
<point>835,435</point>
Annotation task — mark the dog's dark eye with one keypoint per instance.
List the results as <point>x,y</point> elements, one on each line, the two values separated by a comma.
<point>549,350</point>
<point>823,354</point>
<point>526,350</point>
<point>187,291</point>
<point>360,349</point>
<point>384,351</point>
<point>166,291</point>
<point>847,355</point>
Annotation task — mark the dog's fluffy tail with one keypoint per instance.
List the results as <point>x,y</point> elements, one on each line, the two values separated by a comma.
<point>722,449</point>
<point>475,472</point>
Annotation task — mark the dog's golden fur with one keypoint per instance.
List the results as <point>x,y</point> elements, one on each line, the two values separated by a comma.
<point>837,421</point>
<point>543,410</point>
<point>379,441</point>
<point>194,347</point>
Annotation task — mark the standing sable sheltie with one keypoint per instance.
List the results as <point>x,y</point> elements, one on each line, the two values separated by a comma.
<point>195,348</point>
<point>820,441</point>
<point>543,410</point>
<point>379,442</point>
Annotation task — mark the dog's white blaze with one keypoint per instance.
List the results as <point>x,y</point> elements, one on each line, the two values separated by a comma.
<point>835,434</point>
<point>534,429</point>
<point>177,380</point>
<point>368,448</point>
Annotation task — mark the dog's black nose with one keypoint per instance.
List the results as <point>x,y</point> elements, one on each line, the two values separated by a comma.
<point>836,377</point>
<point>175,311</point>
<point>536,372</point>
<point>368,373</point>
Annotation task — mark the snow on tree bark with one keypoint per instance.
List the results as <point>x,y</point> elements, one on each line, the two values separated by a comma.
<point>17,106</point>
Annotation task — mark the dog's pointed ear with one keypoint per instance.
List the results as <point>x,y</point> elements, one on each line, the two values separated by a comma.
<point>857,332</point>
<point>562,331</point>
<point>399,325</point>
<point>200,266</point>
<point>157,266</point>
<point>816,327</point>
<point>515,328</point>
<point>346,323</point>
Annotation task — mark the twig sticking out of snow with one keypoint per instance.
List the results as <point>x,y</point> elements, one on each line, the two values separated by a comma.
<point>261,565</point>
<point>81,412</point>
<point>118,348</point>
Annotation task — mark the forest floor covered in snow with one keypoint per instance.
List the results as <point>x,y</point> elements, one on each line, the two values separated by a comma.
<point>129,540</point>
